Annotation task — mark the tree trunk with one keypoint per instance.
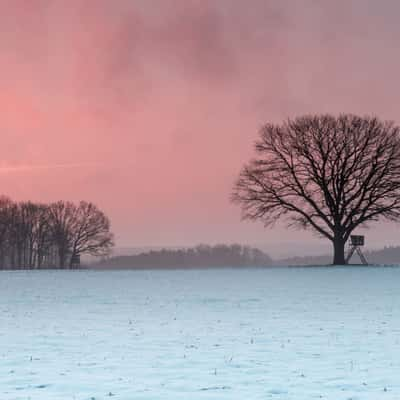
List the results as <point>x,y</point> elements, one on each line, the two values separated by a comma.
<point>338,251</point>
<point>61,258</point>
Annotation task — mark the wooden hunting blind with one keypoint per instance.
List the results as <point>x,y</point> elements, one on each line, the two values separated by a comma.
<point>356,242</point>
<point>76,261</point>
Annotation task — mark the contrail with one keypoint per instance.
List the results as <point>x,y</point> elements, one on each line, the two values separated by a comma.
<point>33,167</point>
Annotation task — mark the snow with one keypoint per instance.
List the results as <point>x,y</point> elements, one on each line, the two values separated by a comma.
<point>279,333</point>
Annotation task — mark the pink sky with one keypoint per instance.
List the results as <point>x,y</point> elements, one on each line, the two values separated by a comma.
<point>149,108</point>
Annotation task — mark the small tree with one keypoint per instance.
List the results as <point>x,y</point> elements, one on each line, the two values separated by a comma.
<point>324,173</point>
<point>90,233</point>
<point>5,227</point>
<point>77,230</point>
<point>62,220</point>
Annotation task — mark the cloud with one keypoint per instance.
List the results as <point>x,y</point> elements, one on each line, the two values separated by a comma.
<point>156,103</point>
<point>30,167</point>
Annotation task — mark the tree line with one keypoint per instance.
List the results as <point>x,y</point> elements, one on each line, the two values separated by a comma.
<point>38,236</point>
<point>389,255</point>
<point>198,257</point>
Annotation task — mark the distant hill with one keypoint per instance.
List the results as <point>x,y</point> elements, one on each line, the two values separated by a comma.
<point>202,256</point>
<point>387,255</point>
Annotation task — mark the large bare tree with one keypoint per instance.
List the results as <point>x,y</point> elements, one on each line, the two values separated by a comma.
<point>324,173</point>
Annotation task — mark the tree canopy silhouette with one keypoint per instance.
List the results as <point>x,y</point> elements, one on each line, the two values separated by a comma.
<point>324,173</point>
<point>35,236</point>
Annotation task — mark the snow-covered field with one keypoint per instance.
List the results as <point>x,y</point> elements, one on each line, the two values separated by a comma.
<point>212,334</point>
